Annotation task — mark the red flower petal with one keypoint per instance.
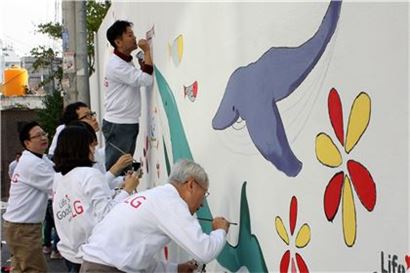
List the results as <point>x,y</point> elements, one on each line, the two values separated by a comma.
<point>301,264</point>
<point>284,262</point>
<point>336,114</point>
<point>293,266</point>
<point>363,184</point>
<point>293,214</point>
<point>333,194</point>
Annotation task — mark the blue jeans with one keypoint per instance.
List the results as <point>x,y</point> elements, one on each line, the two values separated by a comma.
<point>123,136</point>
<point>48,226</point>
<point>72,267</point>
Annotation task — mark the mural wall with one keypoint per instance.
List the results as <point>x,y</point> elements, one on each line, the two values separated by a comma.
<point>299,114</point>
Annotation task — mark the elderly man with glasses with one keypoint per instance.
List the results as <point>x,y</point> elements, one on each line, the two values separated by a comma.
<point>30,186</point>
<point>135,231</point>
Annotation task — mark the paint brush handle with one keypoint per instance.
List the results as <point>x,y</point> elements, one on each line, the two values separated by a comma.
<point>117,148</point>
<point>121,151</point>
<point>210,220</point>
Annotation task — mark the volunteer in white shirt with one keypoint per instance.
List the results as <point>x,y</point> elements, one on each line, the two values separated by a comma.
<point>129,237</point>
<point>31,183</point>
<point>123,96</point>
<point>13,164</point>
<point>112,177</point>
<point>79,111</point>
<point>81,196</point>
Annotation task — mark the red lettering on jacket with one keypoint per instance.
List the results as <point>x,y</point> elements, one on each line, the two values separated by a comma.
<point>136,201</point>
<point>15,178</point>
<point>78,208</point>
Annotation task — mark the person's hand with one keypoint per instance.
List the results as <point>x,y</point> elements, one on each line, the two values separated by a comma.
<point>143,44</point>
<point>120,164</point>
<point>187,267</point>
<point>131,182</point>
<point>220,222</point>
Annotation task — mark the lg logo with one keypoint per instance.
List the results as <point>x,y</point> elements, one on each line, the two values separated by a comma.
<point>136,201</point>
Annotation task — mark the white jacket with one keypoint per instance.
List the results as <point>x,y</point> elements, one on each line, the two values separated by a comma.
<point>53,144</point>
<point>81,199</point>
<point>29,188</point>
<point>123,98</point>
<point>137,229</point>
<point>99,157</point>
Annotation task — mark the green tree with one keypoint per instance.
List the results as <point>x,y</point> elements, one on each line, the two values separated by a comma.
<point>49,117</point>
<point>96,12</point>
<point>45,58</point>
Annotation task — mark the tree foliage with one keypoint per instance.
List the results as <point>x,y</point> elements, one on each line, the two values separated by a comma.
<point>54,30</point>
<point>45,59</point>
<point>96,12</point>
<point>49,117</point>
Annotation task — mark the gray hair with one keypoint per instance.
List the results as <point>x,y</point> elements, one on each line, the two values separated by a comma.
<point>184,169</point>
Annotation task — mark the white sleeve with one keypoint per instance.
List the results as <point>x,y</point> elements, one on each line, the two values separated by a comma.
<point>131,75</point>
<point>162,267</point>
<point>112,181</point>
<point>53,145</point>
<point>12,166</point>
<point>184,229</point>
<point>100,195</point>
<point>109,178</point>
<point>40,176</point>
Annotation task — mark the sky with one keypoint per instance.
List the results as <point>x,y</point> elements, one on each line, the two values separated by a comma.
<point>18,21</point>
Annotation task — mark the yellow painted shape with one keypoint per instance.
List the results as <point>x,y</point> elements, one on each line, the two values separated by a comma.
<point>281,230</point>
<point>180,46</point>
<point>358,120</point>
<point>303,237</point>
<point>349,213</point>
<point>327,152</point>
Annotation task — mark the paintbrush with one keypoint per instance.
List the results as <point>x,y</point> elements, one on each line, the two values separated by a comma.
<point>135,164</point>
<point>210,220</point>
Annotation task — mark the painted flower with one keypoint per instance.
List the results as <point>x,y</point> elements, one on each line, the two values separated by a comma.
<point>302,239</point>
<point>340,187</point>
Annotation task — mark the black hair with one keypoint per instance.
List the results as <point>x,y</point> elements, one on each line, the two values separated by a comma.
<point>25,132</point>
<point>70,112</point>
<point>116,30</point>
<point>85,125</point>
<point>73,149</point>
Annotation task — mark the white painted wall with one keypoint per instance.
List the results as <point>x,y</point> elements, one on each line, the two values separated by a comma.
<point>369,52</point>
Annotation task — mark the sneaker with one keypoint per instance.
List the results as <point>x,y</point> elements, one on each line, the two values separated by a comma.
<point>46,249</point>
<point>55,255</point>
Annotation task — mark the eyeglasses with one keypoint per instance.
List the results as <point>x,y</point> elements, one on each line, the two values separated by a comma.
<point>42,134</point>
<point>89,115</point>
<point>206,192</point>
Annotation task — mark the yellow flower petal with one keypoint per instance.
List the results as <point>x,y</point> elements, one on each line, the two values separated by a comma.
<point>281,230</point>
<point>349,213</point>
<point>358,120</point>
<point>327,152</point>
<point>303,237</point>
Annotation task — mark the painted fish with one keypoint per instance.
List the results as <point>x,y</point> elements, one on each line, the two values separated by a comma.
<point>191,91</point>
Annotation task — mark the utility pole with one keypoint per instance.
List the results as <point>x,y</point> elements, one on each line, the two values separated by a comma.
<point>75,64</point>
<point>83,85</point>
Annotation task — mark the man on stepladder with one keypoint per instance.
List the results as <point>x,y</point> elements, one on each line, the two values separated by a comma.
<point>123,98</point>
